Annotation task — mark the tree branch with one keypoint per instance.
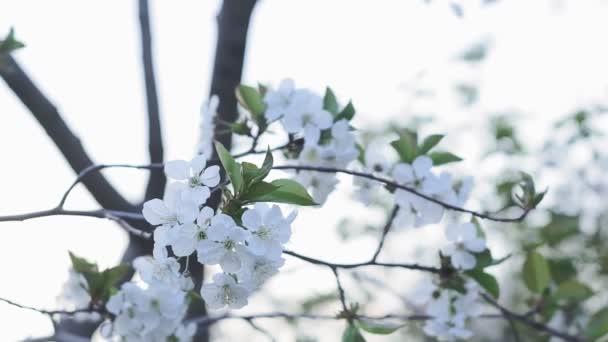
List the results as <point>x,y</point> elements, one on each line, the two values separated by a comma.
<point>385,230</point>
<point>402,187</point>
<point>527,320</point>
<point>157,180</point>
<point>232,28</point>
<point>65,140</point>
<point>362,264</point>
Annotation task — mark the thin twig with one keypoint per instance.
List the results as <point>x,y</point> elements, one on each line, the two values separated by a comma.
<point>385,230</point>
<point>341,292</point>
<point>47,312</point>
<point>362,264</point>
<point>402,187</point>
<point>529,321</point>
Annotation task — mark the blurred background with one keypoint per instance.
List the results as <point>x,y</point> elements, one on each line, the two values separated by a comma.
<point>515,85</point>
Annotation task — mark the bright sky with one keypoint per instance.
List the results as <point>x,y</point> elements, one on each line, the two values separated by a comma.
<point>547,58</point>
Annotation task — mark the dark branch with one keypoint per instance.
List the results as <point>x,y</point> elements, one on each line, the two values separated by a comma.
<point>157,180</point>
<point>233,25</point>
<point>68,144</point>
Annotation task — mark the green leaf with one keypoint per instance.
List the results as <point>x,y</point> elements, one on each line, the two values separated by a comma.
<point>536,272</point>
<point>598,325</point>
<point>483,259</point>
<point>81,265</point>
<point>251,99</point>
<point>110,278</point>
<point>253,174</point>
<point>538,198</point>
<point>10,44</point>
<point>378,328</point>
<point>559,228</point>
<point>352,334</point>
<point>266,165</point>
<point>347,112</point>
<point>361,156</point>
<point>233,169</point>
<point>241,128</point>
<point>330,103</point>
<point>486,281</point>
<point>443,157</point>
<point>429,142</point>
<point>572,290</point>
<point>258,190</point>
<point>288,191</point>
<point>406,147</point>
<point>562,269</point>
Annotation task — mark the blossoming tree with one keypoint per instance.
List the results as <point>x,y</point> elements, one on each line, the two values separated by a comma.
<point>219,208</point>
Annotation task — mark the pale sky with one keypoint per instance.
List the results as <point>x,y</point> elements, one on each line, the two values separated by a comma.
<point>547,58</point>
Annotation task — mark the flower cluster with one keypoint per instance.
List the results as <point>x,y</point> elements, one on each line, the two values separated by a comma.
<point>153,313</point>
<point>328,140</point>
<point>248,252</point>
<point>153,309</point>
<point>449,310</point>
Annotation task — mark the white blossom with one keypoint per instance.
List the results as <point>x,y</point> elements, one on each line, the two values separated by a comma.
<point>224,291</point>
<point>184,239</point>
<point>197,177</point>
<point>464,241</point>
<point>161,269</point>
<point>413,209</point>
<point>319,184</point>
<point>269,229</point>
<point>173,209</point>
<point>257,269</point>
<point>277,101</point>
<point>449,311</point>
<point>220,247</point>
<point>147,314</point>
<point>305,113</point>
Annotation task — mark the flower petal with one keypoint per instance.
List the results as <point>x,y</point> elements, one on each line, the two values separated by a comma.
<point>177,169</point>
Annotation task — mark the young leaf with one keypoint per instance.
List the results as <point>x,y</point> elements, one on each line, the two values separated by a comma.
<point>536,272</point>
<point>562,269</point>
<point>598,325</point>
<point>330,103</point>
<point>258,190</point>
<point>352,334</point>
<point>406,147</point>
<point>241,128</point>
<point>81,265</point>
<point>572,290</point>
<point>429,142</point>
<point>442,157</point>
<point>110,278</point>
<point>347,113</point>
<point>250,99</point>
<point>288,191</point>
<point>266,166</point>
<point>378,328</point>
<point>233,169</point>
<point>10,44</point>
<point>361,156</point>
<point>486,281</point>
